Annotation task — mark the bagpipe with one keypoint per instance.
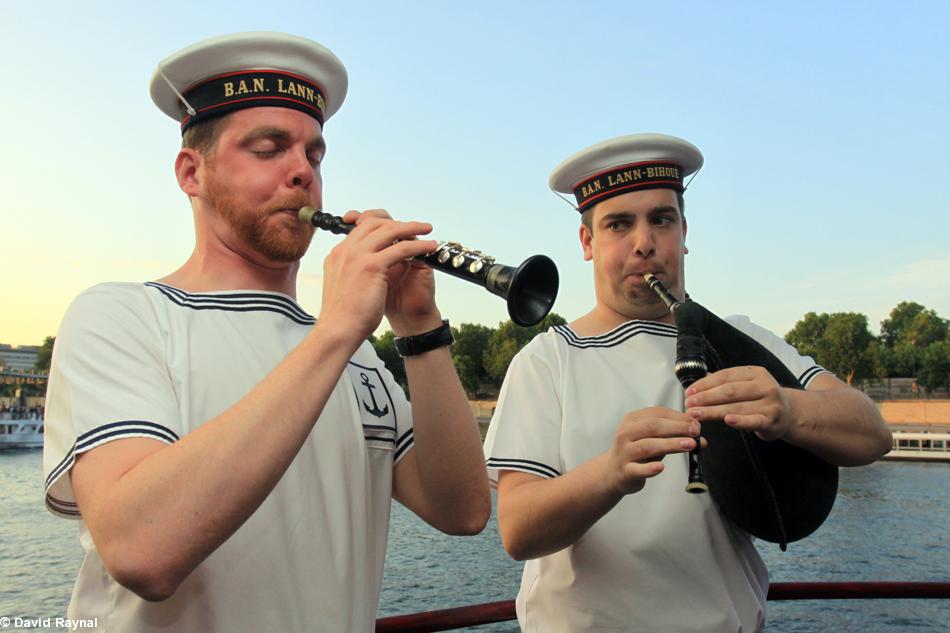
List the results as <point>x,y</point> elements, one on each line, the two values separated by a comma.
<point>774,490</point>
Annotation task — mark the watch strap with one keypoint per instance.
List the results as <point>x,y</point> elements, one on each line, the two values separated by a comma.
<point>425,342</point>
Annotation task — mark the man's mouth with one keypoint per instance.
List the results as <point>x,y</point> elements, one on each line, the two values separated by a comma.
<point>640,272</point>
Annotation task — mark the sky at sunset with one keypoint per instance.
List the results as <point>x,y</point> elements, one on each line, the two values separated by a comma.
<point>825,129</point>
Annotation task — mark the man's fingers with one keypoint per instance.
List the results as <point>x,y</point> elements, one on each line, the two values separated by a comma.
<point>406,249</point>
<point>745,418</point>
<point>656,448</point>
<point>351,216</point>
<point>654,417</point>
<point>637,429</point>
<point>377,233</point>
<point>748,421</point>
<point>726,393</point>
<point>358,217</point>
<point>719,412</point>
<point>730,374</point>
<point>634,470</point>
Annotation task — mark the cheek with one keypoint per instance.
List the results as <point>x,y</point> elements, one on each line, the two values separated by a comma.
<point>258,183</point>
<point>676,250</point>
<point>607,264</point>
<point>612,258</point>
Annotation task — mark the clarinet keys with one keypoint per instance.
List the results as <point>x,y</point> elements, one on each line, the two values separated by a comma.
<point>529,290</point>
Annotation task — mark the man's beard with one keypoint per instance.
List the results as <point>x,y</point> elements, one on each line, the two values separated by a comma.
<point>277,243</point>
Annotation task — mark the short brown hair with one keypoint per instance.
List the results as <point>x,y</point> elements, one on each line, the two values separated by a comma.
<point>203,135</point>
<point>587,217</point>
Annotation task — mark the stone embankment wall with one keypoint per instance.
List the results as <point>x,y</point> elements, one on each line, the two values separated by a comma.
<point>482,409</point>
<point>916,413</point>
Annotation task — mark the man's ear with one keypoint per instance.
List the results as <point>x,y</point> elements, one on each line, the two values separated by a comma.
<point>187,165</point>
<point>586,236</point>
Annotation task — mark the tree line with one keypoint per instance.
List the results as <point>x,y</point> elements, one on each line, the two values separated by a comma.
<point>481,354</point>
<point>912,342</point>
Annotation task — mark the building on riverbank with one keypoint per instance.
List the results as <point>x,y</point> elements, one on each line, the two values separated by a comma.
<point>921,429</point>
<point>21,358</point>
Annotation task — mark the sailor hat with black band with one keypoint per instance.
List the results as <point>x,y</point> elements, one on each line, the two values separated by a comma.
<point>624,164</point>
<point>245,70</point>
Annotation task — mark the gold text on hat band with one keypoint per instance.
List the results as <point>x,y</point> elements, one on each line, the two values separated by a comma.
<point>626,178</point>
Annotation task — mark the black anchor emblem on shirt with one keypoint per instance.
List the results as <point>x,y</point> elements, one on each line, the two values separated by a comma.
<point>375,410</point>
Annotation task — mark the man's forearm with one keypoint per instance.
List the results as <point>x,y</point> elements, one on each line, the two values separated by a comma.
<point>448,448</point>
<point>538,516</point>
<point>840,424</point>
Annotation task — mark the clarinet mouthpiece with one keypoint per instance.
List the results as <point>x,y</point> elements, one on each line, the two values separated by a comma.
<point>306,214</point>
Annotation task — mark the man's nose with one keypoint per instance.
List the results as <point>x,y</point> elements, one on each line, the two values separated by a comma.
<point>301,173</point>
<point>643,243</point>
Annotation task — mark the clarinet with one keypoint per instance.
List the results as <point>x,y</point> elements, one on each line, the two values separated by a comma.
<point>690,366</point>
<point>529,289</point>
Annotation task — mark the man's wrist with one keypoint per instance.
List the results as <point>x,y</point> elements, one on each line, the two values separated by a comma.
<point>793,425</point>
<point>440,336</point>
<point>411,327</point>
<point>328,338</point>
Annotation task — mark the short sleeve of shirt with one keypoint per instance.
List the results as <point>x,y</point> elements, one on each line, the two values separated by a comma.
<point>386,413</point>
<point>525,431</point>
<point>804,367</point>
<point>108,381</point>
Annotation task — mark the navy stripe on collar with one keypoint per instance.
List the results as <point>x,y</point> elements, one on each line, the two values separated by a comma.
<point>618,335</point>
<point>236,302</point>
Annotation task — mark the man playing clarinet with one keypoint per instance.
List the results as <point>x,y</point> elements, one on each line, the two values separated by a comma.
<point>589,440</point>
<point>231,459</point>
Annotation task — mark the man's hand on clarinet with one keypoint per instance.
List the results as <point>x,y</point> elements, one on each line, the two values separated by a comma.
<point>746,398</point>
<point>410,300</point>
<point>369,274</point>
<point>643,439</point>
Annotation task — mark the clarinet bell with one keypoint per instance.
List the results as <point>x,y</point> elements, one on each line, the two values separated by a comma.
<point>529,290</point>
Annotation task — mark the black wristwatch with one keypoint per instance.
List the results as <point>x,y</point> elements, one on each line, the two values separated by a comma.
<point>427,341</point>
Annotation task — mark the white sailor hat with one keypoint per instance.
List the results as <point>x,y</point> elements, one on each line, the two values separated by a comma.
<point>245,70</point>
<point>624,164</point>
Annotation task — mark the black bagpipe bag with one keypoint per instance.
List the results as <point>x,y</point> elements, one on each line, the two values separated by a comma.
<point>774,490</point>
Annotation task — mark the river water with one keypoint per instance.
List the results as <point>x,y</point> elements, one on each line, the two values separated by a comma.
<point>891,521</point>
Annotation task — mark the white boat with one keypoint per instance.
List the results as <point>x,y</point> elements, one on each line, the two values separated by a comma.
<point>21,433</point>
<point>920,445</point>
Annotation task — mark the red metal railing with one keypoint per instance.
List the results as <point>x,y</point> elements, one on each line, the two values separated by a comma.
<point>461,617</point>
